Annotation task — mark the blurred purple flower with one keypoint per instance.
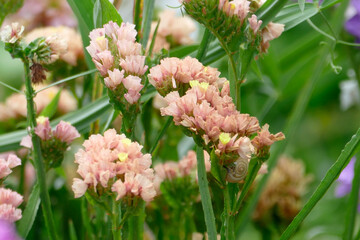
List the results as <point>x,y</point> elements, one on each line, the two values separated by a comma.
<point>345,179</point>
<point>353,24</point>
<point>8,231</point>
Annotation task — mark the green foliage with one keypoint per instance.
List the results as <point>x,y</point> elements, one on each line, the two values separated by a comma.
<point>8,7</point>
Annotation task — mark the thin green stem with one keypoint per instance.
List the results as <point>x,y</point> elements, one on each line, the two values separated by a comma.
<point>206,39</point>
<point>39,164</point>
<point>331,175</point>
<point>109,120</point>
<point>205,194</point>
<point>89,233</point>
<point>149,10</point>
<point>161,134</point>
<point>11,88</point>
<point>227,231</point>
<point>67,79</point>
<point>116,231</point>
<point>353,203</point>
<point>152,44</point>
<point>138,17</point>
<point>254,168</point>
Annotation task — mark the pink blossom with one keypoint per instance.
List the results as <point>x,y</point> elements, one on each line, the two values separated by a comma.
<point>12,33</point>
<point>128,48</point>
<point>134,185</point>
<point>65,132</point>
<point>7,163</point>
<point>127,32</point>
<point>133,86</point>
<point>265,139</point>
<point>114,79</point>
<point>26,142</point>
<point>134,64</point>
<point>105,63</point>
<point>79,187</point>
<point>9,213</point>
<point>254,23</point>
<point>10,197</point>
<point>43,129</point>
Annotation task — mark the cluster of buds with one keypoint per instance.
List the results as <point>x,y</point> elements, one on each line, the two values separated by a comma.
<point>113,164</point>
<point>53,142</point>
<point>118,58</point>
<point>231,22</point>
<point>174,74</point>
<point>39,52</point>
<point>9,200</point>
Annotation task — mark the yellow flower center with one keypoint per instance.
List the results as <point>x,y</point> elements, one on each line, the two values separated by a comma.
<point>126,141</point>
<point>41,120</point>
<point>224,138</point>
<point>203,85</point>
<point>123,156</point>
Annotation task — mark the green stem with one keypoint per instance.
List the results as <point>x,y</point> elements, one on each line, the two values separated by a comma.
<point>255,165</point>
<point>38,161</point>
<point>11,88</point>
<point>89,233</point>
<point>349,150</point>
<point>149,10</point>
<point>138,17</point>
<point>227,231</point>
<point>205,194</point>
<point>116,231</point>
<point>206,39</point>
<point>161,134</point>
<point>353,203</point>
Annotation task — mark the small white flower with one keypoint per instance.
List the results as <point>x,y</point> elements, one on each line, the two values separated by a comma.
<point>11,33</point>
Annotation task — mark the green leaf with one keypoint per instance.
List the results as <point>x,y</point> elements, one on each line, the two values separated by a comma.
<point>148,14</point>
<point>205,195</point>
<point>183,51</point>
<point>301,5</point>
<point>331,175</point>
<point>50,109</point>
<point>269,10</point>
<point>109,13</point>
<point>218,172</point>
<point>72,231</point>
<point>83,9</point>
<point>292,16</point>
<point>28,217</point>
<point>329,3</point>
<point>80,119</point>
<point>7,7</point>
<point>97,15</point>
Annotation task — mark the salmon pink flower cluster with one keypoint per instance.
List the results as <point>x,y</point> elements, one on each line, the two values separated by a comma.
<point>113,163</point>
<point>210,114</point>
<point>53,142</point>
<point>174,74</point>
<point>185,167</point>
<point>118,57</point>
<point>9,200</point>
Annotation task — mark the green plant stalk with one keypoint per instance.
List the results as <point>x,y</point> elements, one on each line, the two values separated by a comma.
<point>206,39</point>
<point>37,157</point>
<point>138,17</point>
<point>255,165</point>
<point>227,228</point>
<point>205,195</point>
<point>353,203</point>
<point>148,14</point>
<point>331,175</point>
<point>116,231</point>
<point>89,233</point>
<point>292,124</point>
<point>161,134</point>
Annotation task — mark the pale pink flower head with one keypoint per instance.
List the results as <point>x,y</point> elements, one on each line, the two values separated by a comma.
<point>128,48</point>
<point>133,86</point>
<point>134,64</point>
<point>65,132</point>
<point>7,163</point>
<point>43,129</point>
<point>127,32</point>
<point>58,47</point>
<point>105,63</point>
<point>265,139</point>
<point>134,185</point>
<point>168,170</point>
<point>11,33</point>
<point>112,29</point>
<point>8,196</point>
<point>270,32</point>
<point>79,187</point>
<point>26,142</point>
<point>240,8</point>
<point>9,213</point>
<point>114,79</point>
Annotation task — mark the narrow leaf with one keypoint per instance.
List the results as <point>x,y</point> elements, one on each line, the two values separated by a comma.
<point>205,195</point>
<point>50,109</point>
<point>148,15</point>
<point>301,5</point>
<point>109,13</point>
<point>331,175</point>
<point>7,7</point>
<point>97,14</point>
<point>28,217</point>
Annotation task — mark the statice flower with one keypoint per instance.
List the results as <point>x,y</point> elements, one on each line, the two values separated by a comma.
<point>53,142</point>
<point>12,33</point>
<point>7,163</point>
<point>118,58</point>
<point>113,164</point>
<point>71,40</point>
<point>174,74</point>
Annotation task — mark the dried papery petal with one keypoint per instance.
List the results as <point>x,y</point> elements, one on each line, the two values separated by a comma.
<point>65,132</point>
